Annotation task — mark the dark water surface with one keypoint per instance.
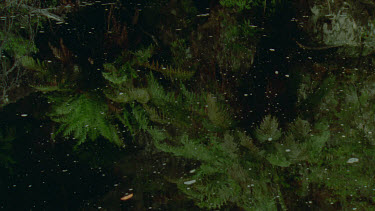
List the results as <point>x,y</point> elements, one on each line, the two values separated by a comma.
<point>187,105</point>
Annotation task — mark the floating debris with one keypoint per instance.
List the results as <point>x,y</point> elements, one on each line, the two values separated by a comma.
<point>190,182</point>
<point>127,197</point>
<point>352,160</point>
<point>203,15</point>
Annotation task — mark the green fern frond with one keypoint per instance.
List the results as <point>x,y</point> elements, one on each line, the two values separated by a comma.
<point>83,117</point>
<point>139,94</point>
<point>158,135</point>
<point>216,113</point>
<point>31,64</point>
<point>45,89</point>
<point>247,142</point>
<point>118,96</point>
<point>300,129</point>
<point>157,93</point>
<point>141,117</point>
<point>168,71</point>
<point>268,130</point>
<point>279,158</point>
<point>142,56</point>
<point>113,75</point>
<point>156,115</point>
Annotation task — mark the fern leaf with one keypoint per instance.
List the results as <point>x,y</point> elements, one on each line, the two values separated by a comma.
<point>268,130</point>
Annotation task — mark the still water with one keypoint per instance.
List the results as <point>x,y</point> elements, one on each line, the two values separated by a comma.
<point>187,105</point>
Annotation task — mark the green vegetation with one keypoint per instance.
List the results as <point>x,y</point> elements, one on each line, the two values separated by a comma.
<point>7,136</point>
<point>178,98</point>
<point>83,116</point>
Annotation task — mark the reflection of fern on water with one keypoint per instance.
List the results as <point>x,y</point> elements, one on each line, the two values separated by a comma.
<point>7,136</point>
<point>50,77</point>
<point>84,117</point>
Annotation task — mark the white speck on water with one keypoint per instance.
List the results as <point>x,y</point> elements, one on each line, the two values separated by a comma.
<point>271,49</point>
<point>287,76</point>
<point>190,182</point>
<point>24,115</point>
<point>192,171</point>
<point>276,72</point>
<point>203,15</point>
<point>352,160</point>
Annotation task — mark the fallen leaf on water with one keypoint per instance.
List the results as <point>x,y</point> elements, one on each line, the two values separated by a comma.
<point>126,197</point>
